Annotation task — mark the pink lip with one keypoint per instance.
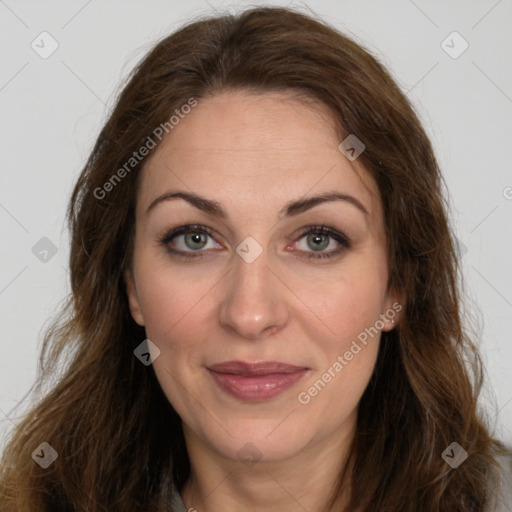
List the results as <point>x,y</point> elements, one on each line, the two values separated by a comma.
<point>255,381</point>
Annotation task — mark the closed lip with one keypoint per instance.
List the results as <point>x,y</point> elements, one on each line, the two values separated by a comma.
<point>255,369</point>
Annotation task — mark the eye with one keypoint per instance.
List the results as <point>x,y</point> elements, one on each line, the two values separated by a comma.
<point>186,240</point>
<point>189,240</point>
<point>319,238</point>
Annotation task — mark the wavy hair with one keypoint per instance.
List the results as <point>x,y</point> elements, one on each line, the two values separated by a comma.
<point>120,443</point>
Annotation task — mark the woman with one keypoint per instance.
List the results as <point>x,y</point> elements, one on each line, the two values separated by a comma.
<point>265,304</point>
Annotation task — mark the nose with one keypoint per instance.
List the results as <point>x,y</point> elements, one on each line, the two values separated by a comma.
<point>254,304</point>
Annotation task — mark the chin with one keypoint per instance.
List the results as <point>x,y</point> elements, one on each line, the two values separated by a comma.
<point>250,450</point>
<point>250,441</point>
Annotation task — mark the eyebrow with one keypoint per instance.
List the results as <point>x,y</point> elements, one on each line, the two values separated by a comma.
<point>291,208</point>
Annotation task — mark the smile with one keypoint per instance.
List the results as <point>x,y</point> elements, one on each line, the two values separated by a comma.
<point>255,382</point>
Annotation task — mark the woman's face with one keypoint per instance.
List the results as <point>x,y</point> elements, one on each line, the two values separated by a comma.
<point>253,288</point>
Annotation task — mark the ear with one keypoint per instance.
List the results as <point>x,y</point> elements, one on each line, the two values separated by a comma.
<point>133,299</point>
<point>393,309</point>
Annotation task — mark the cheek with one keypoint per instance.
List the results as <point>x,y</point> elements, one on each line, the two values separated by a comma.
<point>174,308</point>
<point>346,350</point>
<point>346,338</point>
<point>170,298</point>
<point>345,306</point>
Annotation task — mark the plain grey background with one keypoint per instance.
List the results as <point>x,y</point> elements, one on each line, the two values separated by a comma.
<point>53,106</point>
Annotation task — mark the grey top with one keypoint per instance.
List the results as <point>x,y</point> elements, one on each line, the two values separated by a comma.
<point>177,504</point>
<point>504,502</point>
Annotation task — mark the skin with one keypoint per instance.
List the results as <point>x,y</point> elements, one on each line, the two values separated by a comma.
<point>253,154</point>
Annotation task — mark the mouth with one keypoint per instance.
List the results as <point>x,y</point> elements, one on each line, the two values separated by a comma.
<point>255,381</point>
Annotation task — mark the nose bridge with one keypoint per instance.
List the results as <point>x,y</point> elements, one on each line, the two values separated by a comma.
<point>253,302</point>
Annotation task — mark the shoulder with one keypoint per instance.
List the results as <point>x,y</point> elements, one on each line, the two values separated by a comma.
<point>177,502</point>
<point>171,501</point>
<point>504,477</point>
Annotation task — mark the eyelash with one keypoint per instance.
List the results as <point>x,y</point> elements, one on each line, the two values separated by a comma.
<point>198,228</point>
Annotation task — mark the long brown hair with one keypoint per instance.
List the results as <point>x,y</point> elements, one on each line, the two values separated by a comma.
<point>119,442</point>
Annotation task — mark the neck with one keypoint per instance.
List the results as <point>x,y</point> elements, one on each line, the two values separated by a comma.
<point>306,481</point>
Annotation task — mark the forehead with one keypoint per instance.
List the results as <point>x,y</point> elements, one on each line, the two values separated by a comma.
<point>255,149</point>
